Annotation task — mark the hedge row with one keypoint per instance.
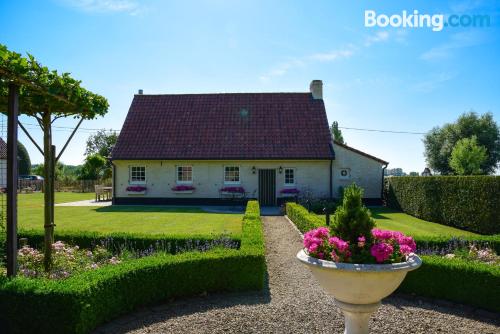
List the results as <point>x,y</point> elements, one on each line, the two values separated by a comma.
<point>118,241</point>
<point>467,202</point>
<point>81,302</point>
<point>457,280</point>
<point>303,219</point>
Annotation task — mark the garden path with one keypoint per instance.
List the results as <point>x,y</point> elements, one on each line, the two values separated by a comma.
<point>294,303</point>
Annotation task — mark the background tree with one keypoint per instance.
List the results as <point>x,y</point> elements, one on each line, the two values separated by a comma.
<point>439,142</point>
<point>467,157</point>
<point>94,168</point>
<point>336,133</point>
<point>23,160</point>
<point>101,143</point>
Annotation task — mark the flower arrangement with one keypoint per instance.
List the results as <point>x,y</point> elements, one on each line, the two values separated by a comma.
<point>233,190</point>
<point>67,260</point>
<point>136,189</point>
<point>183,188</point>
<point>290,191</point>
<point>353,238</point>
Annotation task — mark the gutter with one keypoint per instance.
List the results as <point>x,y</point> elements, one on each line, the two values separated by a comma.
<point>382,185</point>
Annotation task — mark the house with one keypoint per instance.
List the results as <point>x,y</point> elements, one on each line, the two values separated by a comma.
<point>223,148</point>
<point>3,163</point>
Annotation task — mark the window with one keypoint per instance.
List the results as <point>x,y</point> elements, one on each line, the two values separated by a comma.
<point>138,174</point>
<point>184,174</point>
<point>231,174</point>
<point>289,176</point>
<point>345,173</point>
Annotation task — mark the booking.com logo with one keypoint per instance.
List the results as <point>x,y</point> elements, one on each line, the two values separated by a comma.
<point>416,20</point>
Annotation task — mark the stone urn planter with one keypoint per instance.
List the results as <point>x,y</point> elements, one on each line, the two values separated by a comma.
<point>358,288</point>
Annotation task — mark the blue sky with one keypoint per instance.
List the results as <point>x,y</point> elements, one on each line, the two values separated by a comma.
<point>376,78</point>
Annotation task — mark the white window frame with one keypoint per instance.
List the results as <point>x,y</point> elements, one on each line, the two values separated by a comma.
<point>131,180</point>
<point>294,176</point>
<point>239,175</point>
<point>177,174</point>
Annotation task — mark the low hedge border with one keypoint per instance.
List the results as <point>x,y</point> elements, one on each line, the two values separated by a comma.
<point>457,280</point>
<point>473,283</point>
<point>303,219</point>
<point>117,241</point>
<point>79,303</point>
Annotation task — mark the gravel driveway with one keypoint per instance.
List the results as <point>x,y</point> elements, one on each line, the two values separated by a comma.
<point>294,303</point>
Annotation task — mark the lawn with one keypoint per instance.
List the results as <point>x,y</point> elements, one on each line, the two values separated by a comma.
<point>398,221</point>
<point>388,219</point>
<point>130,219</point>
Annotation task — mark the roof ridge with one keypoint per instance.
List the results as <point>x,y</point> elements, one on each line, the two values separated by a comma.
<point>223,93</point>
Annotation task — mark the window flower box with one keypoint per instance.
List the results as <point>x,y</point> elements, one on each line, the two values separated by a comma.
<point>289,192</point>
<point>136,190</point>
<point>232,191</point>
<point>182,189</point>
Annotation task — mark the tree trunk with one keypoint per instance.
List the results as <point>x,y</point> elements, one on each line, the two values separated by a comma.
<point>48,194</point>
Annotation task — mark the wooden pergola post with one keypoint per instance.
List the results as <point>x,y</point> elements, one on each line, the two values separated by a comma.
<point>13,111</point>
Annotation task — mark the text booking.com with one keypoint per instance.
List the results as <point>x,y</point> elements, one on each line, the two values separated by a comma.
<point>436,22</point>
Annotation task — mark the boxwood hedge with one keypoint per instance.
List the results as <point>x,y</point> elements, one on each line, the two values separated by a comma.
<point>457,280</point>
<point>81,302</point>
<point>303,219</point>
<point>468,202</point>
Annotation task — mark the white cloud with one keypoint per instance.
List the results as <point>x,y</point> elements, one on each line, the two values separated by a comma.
<point>334,55</point>
<point>433,82</point>
<point>458,41</point>
<point>380,36</point>
<point>104,6</point>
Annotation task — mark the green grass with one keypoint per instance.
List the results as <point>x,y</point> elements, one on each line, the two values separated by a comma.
<point>154,220</point>
<point>389,219</point>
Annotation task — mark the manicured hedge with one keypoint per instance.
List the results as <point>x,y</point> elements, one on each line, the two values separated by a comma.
<point>81,302</point>
<point>303,219</point>
<point>117,241</point>
<point>467,202</point>
<point>457,280</point>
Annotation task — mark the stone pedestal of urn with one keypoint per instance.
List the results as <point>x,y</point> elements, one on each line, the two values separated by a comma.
<point>358,288</point>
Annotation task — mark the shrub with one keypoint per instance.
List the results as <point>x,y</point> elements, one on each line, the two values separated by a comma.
<point>304,220</point>
<point>456,280</point>
<point>467,202</point>
<point>79,303</point>
<point>352,219</point>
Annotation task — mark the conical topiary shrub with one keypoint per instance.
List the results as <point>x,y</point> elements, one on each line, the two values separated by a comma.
<point>352,219</point>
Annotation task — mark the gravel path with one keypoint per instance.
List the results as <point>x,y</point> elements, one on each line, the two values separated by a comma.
<point>293,303</point>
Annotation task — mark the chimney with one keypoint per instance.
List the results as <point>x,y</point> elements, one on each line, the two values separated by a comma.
<point>316,88</point>
<point>140,92</point>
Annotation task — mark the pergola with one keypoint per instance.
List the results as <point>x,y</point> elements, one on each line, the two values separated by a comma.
<point>27,87</point>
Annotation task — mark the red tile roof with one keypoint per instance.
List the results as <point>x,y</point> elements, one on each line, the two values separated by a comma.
<point>225,126</point>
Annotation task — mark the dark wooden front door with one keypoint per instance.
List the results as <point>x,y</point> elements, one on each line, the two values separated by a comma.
<point>267,187</point>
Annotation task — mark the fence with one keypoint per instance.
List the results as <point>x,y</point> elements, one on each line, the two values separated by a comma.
<point>81,186</point>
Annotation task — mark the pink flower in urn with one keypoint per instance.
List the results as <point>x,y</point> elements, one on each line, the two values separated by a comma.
<point>381,251</point>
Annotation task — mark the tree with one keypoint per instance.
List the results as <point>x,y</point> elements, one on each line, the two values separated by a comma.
<point>101,143</point>
<point>467,157</point>
<point>23,160</point>
<point>94,168</point>
<point>352,219</point>
<point>47,96</point>
<point>414,174</point>
<point>439,142</point>
<point>336,133</point>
